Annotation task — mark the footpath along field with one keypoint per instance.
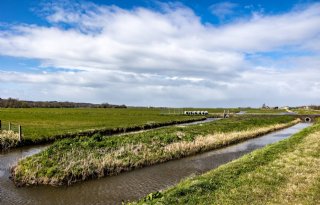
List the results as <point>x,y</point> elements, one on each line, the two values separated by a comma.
<point>81,158</point>
<point>286,172</point>
<point>43,125</point>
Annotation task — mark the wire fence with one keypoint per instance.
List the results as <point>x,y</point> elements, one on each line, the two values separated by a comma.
<point>9,126</point>
<point>172,111</point>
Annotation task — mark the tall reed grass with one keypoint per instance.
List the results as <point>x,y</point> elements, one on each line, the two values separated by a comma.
<point>8,139</point>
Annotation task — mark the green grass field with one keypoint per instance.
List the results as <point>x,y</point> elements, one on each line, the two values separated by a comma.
<point>41,124</point>
<point>306,112</point>
<point>71,160</point>
<point>286,172</point>
<point>264,111</point>
<point>236,110</point>
<point>46,123</point>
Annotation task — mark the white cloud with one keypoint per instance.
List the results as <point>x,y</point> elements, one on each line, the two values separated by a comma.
<point>166,57</point>
<point>223,9</point>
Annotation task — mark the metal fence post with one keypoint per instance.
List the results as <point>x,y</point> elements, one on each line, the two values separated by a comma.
<point>20,133</point>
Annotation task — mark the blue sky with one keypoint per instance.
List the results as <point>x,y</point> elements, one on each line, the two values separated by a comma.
<point>161,53</point>
<point>27,11</point>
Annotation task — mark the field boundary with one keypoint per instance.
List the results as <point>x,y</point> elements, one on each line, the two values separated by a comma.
<point>10,135</point>
<point>16,128</point>
<point>102,131</point>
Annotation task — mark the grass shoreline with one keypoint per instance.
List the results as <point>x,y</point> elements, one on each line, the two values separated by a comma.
<point>14,143</point>
<point>286,172</point>
<point>70,161</point>
<point>42,124</point>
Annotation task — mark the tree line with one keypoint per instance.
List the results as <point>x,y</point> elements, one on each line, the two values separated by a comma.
<point>16,103</point>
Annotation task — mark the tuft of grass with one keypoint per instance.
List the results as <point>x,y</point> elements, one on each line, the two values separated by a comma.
<point>286,172</point>
<point>8,139</point>
<point>83,158</point>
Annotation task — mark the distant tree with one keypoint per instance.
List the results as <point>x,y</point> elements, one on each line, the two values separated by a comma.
<point>16,103</point>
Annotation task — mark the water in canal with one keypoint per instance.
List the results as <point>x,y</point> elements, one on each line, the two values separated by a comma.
<point>126,186</point>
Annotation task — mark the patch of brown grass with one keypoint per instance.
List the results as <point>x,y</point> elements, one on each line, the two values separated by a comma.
<point>212,141</point>
<point>8,139</point>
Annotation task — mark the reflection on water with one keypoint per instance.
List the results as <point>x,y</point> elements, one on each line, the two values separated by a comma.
<point>126,186</point>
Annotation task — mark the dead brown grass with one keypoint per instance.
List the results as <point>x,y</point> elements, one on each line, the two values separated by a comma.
<point>208,142</point>
<point>8,139</point>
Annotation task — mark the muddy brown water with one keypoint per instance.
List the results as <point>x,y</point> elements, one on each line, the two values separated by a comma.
<point>126,186</point>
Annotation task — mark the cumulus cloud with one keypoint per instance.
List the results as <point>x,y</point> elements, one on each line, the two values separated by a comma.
<point>165,56</point>
<point>138,39</point>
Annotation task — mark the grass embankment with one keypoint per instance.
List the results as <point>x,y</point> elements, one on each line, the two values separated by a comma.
<point>286,172</point>
<point>44,125</point>
<point>306,111</point>
<point>81,158</point>
<point>264,111</point>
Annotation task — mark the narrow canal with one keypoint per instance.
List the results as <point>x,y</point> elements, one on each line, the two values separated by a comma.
<point>126,186</point>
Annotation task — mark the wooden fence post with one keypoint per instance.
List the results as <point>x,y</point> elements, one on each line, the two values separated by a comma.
<point>20,133</point>
<point>9,126</point>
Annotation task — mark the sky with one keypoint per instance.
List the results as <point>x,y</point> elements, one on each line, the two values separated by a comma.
<point>161,53</point>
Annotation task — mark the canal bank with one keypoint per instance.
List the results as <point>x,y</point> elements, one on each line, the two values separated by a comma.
<point>84,158</point>
<point>127,186</point>
<point>286,172</point>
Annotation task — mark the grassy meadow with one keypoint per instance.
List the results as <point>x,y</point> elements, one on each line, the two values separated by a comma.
<point>81,158</point>
<point>41,125</point>
<point>264,111</point>
<point>306,111</point>
<point>247,110</point>
<point>286,172</point>
<point>46,124</point>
